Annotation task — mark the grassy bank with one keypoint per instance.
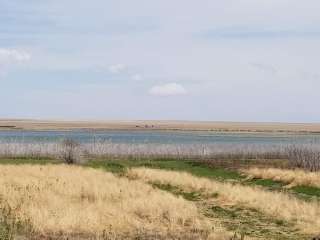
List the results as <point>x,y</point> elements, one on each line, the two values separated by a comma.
<point>222,207</point>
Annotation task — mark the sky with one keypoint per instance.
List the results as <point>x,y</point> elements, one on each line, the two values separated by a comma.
<point>209,60</point>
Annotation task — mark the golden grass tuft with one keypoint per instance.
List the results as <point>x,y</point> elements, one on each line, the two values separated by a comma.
<point>292,177</point>
<point>278,205</point>
<point>75,201</point>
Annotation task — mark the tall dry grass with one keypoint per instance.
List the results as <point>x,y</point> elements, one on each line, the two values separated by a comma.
<point>109,149</point>
<point>293,177</point>
<point>71,201</point>
<point>278,205</point>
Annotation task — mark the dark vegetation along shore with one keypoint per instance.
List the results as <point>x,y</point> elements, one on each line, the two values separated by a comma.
<point>225,195</point>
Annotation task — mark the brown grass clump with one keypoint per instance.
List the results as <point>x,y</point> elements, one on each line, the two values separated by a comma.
<point>293,177</point>
<point>72,201</point>
<point>278,205</point>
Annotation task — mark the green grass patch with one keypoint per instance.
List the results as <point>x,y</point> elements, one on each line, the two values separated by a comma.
<point>110,166</point>
<point>195,168</point>
<point>251,222</point>
<point>17,161</point>
<point>267,183</point>
<point>303,192</point>
<point>190,196</point>
<point>307,190</point>
<point>199,169</point>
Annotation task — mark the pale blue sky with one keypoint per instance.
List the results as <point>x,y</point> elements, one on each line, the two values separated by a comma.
<point>233,60</point>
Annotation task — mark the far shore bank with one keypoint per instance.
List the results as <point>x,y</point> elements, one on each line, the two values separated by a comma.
<point>156,125</point>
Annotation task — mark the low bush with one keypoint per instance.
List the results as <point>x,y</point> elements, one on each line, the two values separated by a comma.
<point>71,152</point>
<point>306,157</point>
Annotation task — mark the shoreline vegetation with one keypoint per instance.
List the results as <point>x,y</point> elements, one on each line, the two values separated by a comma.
<point>303,156</point>
<point>157,125</point>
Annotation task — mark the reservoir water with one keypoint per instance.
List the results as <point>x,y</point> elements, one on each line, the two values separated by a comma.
<point>158,137</point>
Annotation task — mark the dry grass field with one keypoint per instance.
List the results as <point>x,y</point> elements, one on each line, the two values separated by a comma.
<point>152,199</point>
<point>295,177</point>
<point>68,201</point>
<point>158,125</point>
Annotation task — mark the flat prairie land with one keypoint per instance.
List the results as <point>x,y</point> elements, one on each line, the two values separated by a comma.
<point>159,125</point>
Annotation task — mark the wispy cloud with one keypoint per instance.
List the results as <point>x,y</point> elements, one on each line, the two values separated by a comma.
<point>13,55</point>
<point>137,77</point>
<point>266,68</point>
<point>259,33</point>
<point>117,68</point>
<point>169,89</point>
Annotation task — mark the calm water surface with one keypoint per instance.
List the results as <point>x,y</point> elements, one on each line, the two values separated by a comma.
<point>160,137</point>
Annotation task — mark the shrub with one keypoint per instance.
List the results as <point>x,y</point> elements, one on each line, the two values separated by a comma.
<point>71,151</point>
<point>306,157</point>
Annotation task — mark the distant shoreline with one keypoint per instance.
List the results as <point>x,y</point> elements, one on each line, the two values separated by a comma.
<point>237,127</point>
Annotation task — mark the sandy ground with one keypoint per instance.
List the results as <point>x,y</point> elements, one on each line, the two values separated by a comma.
<point>158,125</point>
